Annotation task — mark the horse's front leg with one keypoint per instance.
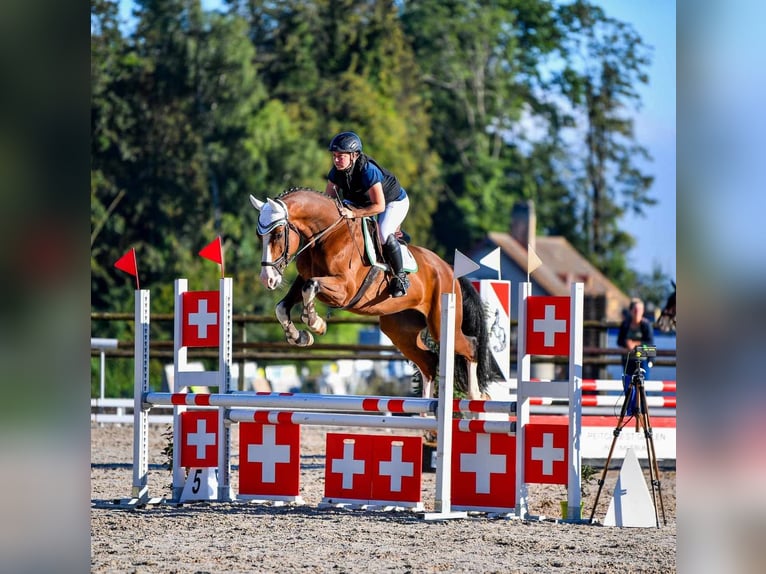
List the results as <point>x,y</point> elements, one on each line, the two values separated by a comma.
<point>309,314</point>
<point>292,335</point>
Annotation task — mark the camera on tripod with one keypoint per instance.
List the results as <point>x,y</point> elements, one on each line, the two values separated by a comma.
<point>641,352</point>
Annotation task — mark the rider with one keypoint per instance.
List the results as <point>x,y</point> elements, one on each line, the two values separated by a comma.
<point>368,189</point>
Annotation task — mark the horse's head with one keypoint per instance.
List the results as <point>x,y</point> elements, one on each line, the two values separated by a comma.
<point>667,320</point>
<point>274,230</point>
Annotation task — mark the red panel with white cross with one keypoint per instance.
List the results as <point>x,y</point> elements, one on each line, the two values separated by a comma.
<point>199,438</point>
<point>483,469</point>
<point>269,459</point>
<point>201,318</point>
<point>547,453</point>
<point>396,467</point>
<point>348,467</point>
<point>548,325</point>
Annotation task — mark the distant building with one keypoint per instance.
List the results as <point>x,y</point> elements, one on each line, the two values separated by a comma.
<point>562,266</point>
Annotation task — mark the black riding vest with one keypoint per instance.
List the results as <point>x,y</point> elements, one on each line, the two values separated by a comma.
<point>350,184</point>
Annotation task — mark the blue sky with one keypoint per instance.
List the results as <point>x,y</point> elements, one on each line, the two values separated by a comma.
<point>655,22</point>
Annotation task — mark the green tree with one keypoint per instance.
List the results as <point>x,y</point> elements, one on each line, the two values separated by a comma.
<point>183,131</point>
<point>346,65</point>
<point>605,61</point>
<point>478,69</point>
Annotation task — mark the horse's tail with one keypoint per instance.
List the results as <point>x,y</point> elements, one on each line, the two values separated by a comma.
<point>474,325</point>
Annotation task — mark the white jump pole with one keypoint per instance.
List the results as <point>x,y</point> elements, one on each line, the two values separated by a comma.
<point>300,401</point>
<point>225,347</point>
<point>523,372</point>
<point>179,366</point>
<point>140,492</point>
<point>571,389</point>
<point>220,378</point>
<point>443,500</point>
<point>575,399</point>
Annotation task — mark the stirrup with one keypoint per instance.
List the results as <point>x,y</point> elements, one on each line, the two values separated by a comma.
<point>399,286</point>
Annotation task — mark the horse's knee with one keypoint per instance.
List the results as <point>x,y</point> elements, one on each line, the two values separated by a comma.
<point>309,291</point>
<point>467,346</point>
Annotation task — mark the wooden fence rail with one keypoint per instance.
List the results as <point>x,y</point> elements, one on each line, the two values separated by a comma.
<point>282,351</point>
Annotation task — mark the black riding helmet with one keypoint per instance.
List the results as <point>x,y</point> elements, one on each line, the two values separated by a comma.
<point>346,142</point>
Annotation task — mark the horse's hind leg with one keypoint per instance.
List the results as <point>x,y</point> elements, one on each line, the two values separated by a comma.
<point>309,314</point>
<point>404,330</point>
<point>292,335</point>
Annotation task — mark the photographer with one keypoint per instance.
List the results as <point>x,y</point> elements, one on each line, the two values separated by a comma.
<point>635,330</point>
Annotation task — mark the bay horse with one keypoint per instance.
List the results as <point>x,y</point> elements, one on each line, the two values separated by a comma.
<point>304,225</point>
<point>667,319</point>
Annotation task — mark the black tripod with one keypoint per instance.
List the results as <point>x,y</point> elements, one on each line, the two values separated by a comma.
<point>641,412</point>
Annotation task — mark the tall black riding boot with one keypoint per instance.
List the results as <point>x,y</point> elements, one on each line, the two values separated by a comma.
<point>399,282</point>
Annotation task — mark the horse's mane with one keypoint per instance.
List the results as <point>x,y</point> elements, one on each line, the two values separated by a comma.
<point>291,190</point>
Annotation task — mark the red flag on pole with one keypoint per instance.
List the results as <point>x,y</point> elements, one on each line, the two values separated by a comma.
<point>128,264</point>
<point>214,252</point>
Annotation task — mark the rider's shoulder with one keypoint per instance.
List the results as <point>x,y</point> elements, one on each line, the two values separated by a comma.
<point>368,165</point>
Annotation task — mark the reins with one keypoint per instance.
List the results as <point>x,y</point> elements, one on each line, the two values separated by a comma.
<point>339,205</point>
<point>314,238</point>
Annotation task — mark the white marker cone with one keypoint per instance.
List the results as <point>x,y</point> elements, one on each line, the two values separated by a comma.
<point>631,504</point>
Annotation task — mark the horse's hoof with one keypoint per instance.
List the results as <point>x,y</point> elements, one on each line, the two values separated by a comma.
<point>320,327</point>
<point>306,339</point>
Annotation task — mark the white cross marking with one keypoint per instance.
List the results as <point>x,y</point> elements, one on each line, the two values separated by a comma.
<point>547,453</point>
<point>549,325</point>
<point>482,463</point>
<point>201,439</point>
<point>202,319</point>
<point>348,466</point>
<point>268,453</point>
<point>396,468</point>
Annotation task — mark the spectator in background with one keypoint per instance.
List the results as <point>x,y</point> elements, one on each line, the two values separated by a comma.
<point>635,330</point>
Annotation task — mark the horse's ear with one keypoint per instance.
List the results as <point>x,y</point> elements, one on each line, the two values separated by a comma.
<point>275,207</point>
<point>256,203</point>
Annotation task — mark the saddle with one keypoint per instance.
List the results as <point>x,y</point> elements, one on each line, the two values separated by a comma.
<point>374,251</point>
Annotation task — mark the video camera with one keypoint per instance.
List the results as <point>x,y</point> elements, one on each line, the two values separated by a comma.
<point>642,352</point>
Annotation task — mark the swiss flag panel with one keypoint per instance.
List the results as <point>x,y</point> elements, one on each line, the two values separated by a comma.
<point>547,454</point>
<point>483,469</point>
<point>201,318</point>
<point>199,438</point>
<point>348,466</point>
<point>548,325</point>
<point>269,459</point>
<point>397,467</point>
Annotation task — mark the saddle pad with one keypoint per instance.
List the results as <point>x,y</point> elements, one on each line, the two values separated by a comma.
<point>408,261</point>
